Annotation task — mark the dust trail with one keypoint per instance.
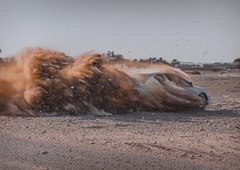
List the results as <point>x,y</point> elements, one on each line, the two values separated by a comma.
<point>163,93</point>
<point>133,68</point>
<point>43,82</point>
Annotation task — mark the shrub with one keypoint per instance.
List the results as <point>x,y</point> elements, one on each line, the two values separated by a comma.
<point>195,72</point>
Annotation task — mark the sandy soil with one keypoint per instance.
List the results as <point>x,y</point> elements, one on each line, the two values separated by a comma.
<point>207,139</point>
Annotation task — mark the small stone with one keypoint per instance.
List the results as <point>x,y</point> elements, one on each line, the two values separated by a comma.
<point>184,154</point>
<point>210,123</point>
<point>44,152</point>
<point>147,149</point>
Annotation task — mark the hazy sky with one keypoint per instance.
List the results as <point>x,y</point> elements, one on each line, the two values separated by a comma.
<point>188,30</point>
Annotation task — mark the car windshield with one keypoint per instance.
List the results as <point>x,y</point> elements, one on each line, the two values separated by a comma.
<point>142,78</point>
<point>135,81</point>
<point>178,80</point>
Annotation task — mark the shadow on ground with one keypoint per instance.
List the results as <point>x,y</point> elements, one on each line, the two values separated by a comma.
<point>187,116</point>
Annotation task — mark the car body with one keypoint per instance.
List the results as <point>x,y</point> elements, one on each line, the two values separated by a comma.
<point>199,91</point>
<point>140,81</point>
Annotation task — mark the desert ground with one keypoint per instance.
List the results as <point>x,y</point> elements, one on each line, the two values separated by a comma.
<point>207,139</point>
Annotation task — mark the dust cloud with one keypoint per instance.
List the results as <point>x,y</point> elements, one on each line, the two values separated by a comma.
<point>42,82</point>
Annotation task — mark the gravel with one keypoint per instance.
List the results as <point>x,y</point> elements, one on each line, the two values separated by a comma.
<point>207,139</point>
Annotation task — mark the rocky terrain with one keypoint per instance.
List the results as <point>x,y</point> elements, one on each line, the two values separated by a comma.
<point>207,139</point>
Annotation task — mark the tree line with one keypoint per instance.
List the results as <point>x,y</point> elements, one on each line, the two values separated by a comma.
<point>117,57</point>
<point>154,60</point>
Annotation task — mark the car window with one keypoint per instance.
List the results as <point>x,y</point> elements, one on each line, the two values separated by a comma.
<point>160,77</point>
<point>178,80</point>
<point>186,83</point>
<point>142,78</point>
<point>135,81</point>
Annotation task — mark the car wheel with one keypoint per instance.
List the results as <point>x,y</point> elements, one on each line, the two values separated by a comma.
<point>204,101</point>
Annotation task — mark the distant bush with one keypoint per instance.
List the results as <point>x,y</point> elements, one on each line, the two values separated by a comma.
<point>236,62</point>
<point>215,69</point>
<point>195,72</point>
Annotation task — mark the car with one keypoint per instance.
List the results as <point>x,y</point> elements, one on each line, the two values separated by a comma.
<point>140,81</point>
<point>201,92</point>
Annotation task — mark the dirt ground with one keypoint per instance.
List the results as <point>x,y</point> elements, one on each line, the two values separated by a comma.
<point>207,139</point>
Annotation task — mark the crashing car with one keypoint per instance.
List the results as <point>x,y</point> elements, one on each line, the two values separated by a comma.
<point>140,81</point>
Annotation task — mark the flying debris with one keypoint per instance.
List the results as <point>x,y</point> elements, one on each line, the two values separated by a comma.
<point>42,82</point>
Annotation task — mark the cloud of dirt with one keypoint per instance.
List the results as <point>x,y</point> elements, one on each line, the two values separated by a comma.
<point>166,92</point>
<point>43,82</point>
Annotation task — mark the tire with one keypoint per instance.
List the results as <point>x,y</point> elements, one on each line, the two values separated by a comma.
<point>204,99</point>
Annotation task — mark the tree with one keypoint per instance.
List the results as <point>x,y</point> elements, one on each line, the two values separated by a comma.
<point>135,60</point>
<point>154,60</point>
<point>236,62</point>
<point>160,60</point>
<point>175,62</point>
<point>150,60</point>
<point>141,61</point>
<point>110,54</point>
<point>114,57</point>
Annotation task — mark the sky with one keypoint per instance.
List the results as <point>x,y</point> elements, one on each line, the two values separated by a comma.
<point>187,30</point>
